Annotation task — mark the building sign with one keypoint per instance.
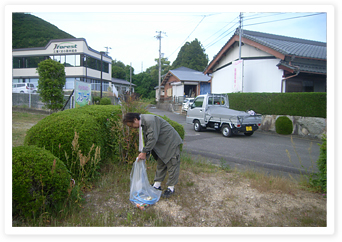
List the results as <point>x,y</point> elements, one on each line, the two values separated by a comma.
<point>238,75</point>
<point>82,94</point>
<point>65,47</point>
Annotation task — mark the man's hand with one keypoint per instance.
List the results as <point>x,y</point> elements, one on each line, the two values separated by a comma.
<point>142,156</point>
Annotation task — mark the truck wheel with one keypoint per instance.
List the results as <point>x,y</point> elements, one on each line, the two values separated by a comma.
<point>197,126</point>
<point>226,130</point>
<point>249,133</point>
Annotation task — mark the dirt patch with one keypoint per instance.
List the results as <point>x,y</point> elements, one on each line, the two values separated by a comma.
<point>220,199</point>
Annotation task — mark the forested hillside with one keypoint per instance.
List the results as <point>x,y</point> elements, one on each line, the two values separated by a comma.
<point>30,31</point>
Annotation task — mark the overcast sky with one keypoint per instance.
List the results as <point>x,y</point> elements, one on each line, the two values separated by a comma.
<point>129,31</point>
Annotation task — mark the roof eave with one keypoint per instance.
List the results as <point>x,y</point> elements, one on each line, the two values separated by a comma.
<point>234,39</point>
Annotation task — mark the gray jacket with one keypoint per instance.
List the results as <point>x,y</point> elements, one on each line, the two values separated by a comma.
<point>159,136</point>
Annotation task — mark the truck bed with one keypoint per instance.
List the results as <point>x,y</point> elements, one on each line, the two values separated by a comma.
<point>221,113</point>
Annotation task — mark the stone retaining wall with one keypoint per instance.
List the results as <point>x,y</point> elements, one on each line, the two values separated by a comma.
<point>303,126</point>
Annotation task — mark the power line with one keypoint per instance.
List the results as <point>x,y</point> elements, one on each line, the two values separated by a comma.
<point>226,34</point>
<point>258,16</point>
<point>283,19</point>
<point>189,35</point>
<point>213,43</point>
<point>221,29</point>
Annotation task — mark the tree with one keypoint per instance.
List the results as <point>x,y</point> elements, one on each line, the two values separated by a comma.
<point>145,85</point>
<point>154,70</point>
<point>191,55</point>
<point>120,70</point>
<point>50,84</point>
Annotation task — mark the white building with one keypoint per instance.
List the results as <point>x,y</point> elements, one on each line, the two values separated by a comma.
<point>268,63</point>
<point>81,62</point>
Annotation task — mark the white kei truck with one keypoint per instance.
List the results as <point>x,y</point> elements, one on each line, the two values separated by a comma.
<point>212,111</point>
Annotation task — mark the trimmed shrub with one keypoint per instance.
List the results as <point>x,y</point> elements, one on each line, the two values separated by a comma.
<point>321,180</point>
<point>57,132</point>
<point>105,101</point>
<point>102,114</point>
<point>283,125</point>
<point>40,181</point>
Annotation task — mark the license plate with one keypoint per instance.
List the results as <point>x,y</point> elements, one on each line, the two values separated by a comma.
<point>249,128</point>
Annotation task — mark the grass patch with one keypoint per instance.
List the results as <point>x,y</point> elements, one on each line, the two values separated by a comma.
<point>268,183</point>
<point>21,122</point>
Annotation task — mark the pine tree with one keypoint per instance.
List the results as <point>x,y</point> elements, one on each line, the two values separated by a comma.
<point>191,55</point>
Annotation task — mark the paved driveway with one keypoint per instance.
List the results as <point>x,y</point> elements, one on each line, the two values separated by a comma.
<point>265,151</point>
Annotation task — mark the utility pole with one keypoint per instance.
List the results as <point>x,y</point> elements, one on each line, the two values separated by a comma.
<point>240,33</point>
<point>159,81</point>
<point>130,80</point>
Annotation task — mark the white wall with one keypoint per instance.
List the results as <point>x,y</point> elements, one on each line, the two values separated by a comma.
<point>246,51</point>
<point>260,75</point>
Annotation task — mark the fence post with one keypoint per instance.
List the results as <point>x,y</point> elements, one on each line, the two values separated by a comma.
<point>29,99</point>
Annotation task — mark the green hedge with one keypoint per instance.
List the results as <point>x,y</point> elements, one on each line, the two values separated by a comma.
<point>56,132</point>
<point>38,185</point>
<point>306,104</point>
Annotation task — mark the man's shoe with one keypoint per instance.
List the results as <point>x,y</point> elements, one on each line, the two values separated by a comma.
<point>168,193</point>
<point>158,188</point>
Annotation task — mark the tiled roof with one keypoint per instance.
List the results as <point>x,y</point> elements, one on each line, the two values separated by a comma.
<point>312,67</point>
<point>187,74</point>
<point>288,45</point>
<point>306,55</point>
<point>121,81</point>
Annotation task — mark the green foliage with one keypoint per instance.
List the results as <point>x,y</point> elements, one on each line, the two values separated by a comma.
<point>153,71</point>
<point>145,85</point>
<point>50,83</point>
<point>146,81</point>
<point>120,70</point>
<point>283,125</point>
<point>105,101</point>
<point>191,55</point>
<point>320,181</point>
<point>30,31</point>
<point>124,141</point>
<point>96,100</point>
<point>306,104</point>
<point>40,181</point>
<point>56,132</point>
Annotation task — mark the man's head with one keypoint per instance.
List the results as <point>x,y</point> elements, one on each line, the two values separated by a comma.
<point>132,120</point>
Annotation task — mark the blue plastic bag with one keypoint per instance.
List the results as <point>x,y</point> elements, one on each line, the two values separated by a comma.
<point>141,192</point>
